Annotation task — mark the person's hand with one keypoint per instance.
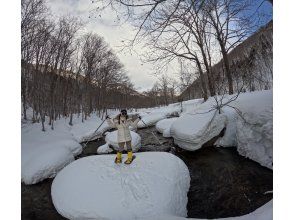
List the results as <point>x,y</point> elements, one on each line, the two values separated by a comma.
<point>139,117</point>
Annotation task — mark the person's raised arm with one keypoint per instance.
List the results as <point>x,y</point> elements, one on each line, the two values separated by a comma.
<point>134,123</point>
<point>110,122</point>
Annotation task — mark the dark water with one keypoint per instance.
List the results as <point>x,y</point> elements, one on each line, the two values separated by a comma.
<point>223,183</point>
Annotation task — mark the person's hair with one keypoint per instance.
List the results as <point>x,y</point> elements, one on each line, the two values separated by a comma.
<point>118,117</point>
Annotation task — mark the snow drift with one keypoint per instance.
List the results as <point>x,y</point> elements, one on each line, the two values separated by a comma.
<point>95,187</point>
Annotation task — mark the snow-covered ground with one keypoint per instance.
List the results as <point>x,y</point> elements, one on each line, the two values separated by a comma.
<point>111,139</point>
<point>43,154</point>
<point>248,124</point>
<point>94,187</point>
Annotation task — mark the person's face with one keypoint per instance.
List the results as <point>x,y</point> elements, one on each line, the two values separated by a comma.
<point>124,113</point>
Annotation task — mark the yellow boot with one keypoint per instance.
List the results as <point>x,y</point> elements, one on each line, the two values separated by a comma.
<point>130,157</point>
<point>118,158</point>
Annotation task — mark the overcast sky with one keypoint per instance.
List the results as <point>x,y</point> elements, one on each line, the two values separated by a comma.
<point>141,75</point>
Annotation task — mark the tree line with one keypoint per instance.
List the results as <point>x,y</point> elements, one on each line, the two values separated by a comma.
<point>64,72</point>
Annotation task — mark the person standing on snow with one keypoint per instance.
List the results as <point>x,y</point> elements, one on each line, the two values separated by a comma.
<point>122,122</point>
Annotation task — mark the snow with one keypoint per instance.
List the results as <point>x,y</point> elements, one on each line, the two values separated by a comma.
<point>104,149</point>
<point>111,139</point>
<point>85,131</point>
<point>191,131</point>
<point>229,139</point>
<point>46,163</point>
<point>94,187</point>
<point>43,154</point>
<point>255,134</point>
<point>163,126</point>
<point>265,212</point>
<point>151,119</point>
<point>248,121</point>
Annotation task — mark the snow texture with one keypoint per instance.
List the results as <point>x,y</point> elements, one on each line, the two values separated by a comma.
<point>248,123</point>
<point>94,187</point>
<point>151,119</point>
<point>163,126</point>
<point>192,130</point>
<point>104,149</point>
<point>255,128</point>
<point>43,154</point>
<point>111,139</point>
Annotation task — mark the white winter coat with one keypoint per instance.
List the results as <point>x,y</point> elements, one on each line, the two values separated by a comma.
<point>123,130</point>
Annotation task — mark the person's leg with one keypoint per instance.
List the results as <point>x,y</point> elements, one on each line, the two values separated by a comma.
<point>118,158</point>
<point>121,146</point>
<point>129,146</point>
<point>130,153</point>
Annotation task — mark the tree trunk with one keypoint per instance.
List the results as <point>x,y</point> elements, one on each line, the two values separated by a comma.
<point>203,84</point>
<point>227,68</point>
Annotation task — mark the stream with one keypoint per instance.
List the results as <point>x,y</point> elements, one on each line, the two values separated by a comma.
<point>223,183</point>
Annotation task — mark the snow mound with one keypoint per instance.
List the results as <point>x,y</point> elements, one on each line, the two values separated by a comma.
<point>192,130</point>
<point>265,212</point>
<point>111,139</point>
<point>43,154</point>
<point>151,119</point>
<point>46,164</point>
<point>163,126</point>
<point>230,137</point>
<point>255,128</point>
<point>95,187</point>
<point>104,149</point>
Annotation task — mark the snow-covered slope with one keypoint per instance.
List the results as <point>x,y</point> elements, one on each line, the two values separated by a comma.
<point>94,187</point>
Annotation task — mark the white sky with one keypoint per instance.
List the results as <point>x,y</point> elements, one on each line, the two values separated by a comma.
<point>141,75</point>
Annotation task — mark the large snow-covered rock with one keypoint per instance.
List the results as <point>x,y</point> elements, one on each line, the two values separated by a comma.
<point>191,130</point>
<point>255,128</point>
<point>111,139</point>
<point>46,164</point>
<point>265,212</point>
<point>163,126</point>
<point>95,187</point>
<point>151,119</point>
<point>230,137</point>
<point>250,126</point>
